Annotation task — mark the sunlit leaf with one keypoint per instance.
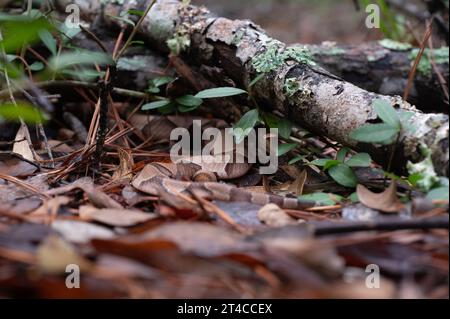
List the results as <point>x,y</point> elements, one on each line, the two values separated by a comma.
<point>219,92</point>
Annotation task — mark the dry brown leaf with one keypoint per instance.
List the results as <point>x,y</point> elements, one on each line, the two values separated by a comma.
<point>387,201</point>
<point>81,232</point>
<point>22,147</point>
<point>274,216</point>
<point>297,186</point>
<point>115,217</point>
<point>101,199</point>
<point>14,165</point>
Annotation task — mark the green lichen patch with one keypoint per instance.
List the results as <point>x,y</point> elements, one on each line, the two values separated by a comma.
<point>424,171</point>
<point>179,43</point>
<point>440,56</point>
<point>291,86</point>
<point>276,55</point>
<point>394,45</point>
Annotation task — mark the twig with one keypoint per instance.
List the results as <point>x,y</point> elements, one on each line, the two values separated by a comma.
<point>413,70</point>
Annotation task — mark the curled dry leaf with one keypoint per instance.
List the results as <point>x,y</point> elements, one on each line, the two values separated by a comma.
<point>386,201</point>
<point>274,216</point>
<point>115,217</point>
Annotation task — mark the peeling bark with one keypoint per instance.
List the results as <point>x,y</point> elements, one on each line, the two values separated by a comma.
<point>325,104</point>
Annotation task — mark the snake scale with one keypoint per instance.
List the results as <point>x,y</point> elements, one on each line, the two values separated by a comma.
<point>200,178</point>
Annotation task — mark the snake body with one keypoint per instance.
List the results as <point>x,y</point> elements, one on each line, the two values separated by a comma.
<point>170,178</point>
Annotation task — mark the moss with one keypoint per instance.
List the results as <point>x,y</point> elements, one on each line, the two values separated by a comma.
<point>394,45</point>
<point>276,55</point>
<point>440,57</point>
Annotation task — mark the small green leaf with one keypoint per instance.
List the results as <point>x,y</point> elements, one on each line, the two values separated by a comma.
<point>296,159</point>
<point>340,156</point>
<point>387,113</point>
<point>320,161</point>
<point>48,40</point>
<point>155,105</point>
<point>359,160</point>
<point>245,125</point>
<point>136,12</point>
<point>167,109</point>
<point>37,66</point>
<point>285,148</point>
<point>343,175</point>
<point>79,58</point>
<point>123,19</point>
<point>330,164</point>
<point>161,80</point>
<point>440,193</point>
<point>284,126</point>
<point>256,80</point>
<point>353,197</point>
<point>322,199</point>
<point>375,133</point>
<point>189,101</point>
<point>219,92</point>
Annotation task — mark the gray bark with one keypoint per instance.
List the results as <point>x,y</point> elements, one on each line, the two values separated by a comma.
<point>325,104</point>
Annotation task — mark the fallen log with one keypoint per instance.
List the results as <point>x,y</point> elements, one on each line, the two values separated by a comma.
<point>320,101</point>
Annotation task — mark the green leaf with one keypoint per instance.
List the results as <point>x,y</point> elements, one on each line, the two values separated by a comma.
<point>48,39</point>
<point>322,199</point>
<point>245,125</point>
<point>161,80</point>
<point>296,159</point>
<point>189,101</point>
<point>256,80</point>
<point>155,105</point>
<point>440,193</point>
<point>320,161</point>
<point>136,12</point>
<point>37,66</point>
<point>284,126</point>
<point>122,19</point>
<point>343,175</point>
<point>340,156</point>
<point>359,160</point>
<point>285,148</point>
<point>353,197</point>
<point>330,164</point>
<point>375,133</point>
<point>167,109</point>
<point>387,113</point>
<point>18,31</point>
<point>219,92</point>
<point>27,112</point>
<point>79,58</point>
